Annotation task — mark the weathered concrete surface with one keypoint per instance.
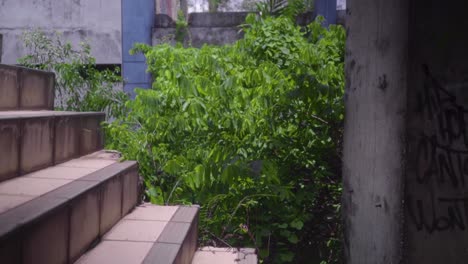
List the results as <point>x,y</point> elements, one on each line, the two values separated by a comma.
<point>37,144</point>
<point>32,140</point>
<point>152,234</point>
<point>225,19</point>
<point>36,89</point>
<point>375,102</point>
<point>436,180</point>
<point>78,20</point>
<point>208,255</point>
<point>65,213</point>
<point>203,28</point>
<point>200,36</point>
<point>67,139</point>
<point>209,28</point>
<point>25,89</point>
<point>9,149</point>
<point>167,7</point>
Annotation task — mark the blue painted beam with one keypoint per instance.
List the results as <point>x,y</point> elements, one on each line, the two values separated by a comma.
<point>137,24</point>
<point>327,9</point>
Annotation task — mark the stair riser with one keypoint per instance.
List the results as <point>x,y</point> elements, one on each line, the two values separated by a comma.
<point>27,145</point>
<point>189,246</point>
<point>178,242</point>
<point>25,89</point>
<point>65,233</point>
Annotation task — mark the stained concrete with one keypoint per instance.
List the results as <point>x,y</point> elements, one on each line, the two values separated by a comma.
<point>33,140</point>
<point>15,192</point>
<point>9,144</point>
<point>117,252</point>
<point>84,223</point>
<point>136,230</point>
<point>209,255</point>
<point>406,144</point>
<point>111,204</point>
<point>54,230</point>
<point>67,216</point>
<point>153,213</point>
<point>435,184</point>
<point>25,89</point>
<point>374,133</point>
<point>78,20</point>
<point>8,201</point>
<point>209,28</point>
<point>133,238</point>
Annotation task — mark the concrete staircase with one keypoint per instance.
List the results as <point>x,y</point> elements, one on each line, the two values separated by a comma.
<point>65,200</point>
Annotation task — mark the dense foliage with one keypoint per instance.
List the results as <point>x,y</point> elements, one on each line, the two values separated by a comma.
<point>249,131</point>
<point>79,85</point>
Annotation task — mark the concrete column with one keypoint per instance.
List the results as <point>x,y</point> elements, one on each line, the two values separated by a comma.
<point>374,146</point>
<point>1,47</point>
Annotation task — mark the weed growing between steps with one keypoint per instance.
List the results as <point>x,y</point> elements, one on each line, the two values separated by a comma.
<point>79,85</point>
<point>251,132</point>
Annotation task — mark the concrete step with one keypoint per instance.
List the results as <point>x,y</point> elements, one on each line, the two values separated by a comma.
<point>212,255</point>
<point>54,215</point>
<point>25,89</point>
<point>33,140</point>
<point>150,234</point>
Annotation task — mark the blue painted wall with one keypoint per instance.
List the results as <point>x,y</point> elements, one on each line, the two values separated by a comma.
<point>137,23</point>
<point>327,9</point>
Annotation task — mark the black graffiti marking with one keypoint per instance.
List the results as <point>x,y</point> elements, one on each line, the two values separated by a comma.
<point>440,163</point>
<point>440,107</point>
<point>443,214</point>
<point>442,150</point>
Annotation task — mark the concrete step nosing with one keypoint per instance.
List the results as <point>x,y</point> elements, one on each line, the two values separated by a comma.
<point>33,211</point>
<point>178,241</point>
<point>21,115</point>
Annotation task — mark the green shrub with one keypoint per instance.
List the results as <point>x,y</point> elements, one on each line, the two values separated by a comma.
<point>249,131</point>
<point>79,85</point>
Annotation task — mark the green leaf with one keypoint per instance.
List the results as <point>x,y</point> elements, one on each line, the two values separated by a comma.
<point>298,224</point>
<point>293,239</point>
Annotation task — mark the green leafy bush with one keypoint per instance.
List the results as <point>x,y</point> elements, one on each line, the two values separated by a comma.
<point>79,85</point>
<point>251,132</point>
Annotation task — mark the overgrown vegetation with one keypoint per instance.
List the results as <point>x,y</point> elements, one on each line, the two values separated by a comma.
<point>182,29</point>
<point>251,132</point>
<point>79,85</point>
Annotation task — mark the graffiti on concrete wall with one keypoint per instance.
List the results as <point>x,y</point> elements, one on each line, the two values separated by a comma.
<point>438,202</point>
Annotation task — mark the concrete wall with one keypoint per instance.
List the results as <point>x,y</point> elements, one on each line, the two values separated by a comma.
<point>436,182</point>
<point>209,28</point>
<point>405,168</point>
<point>195,6</point>
<point>168,7</point>
<point>96,20</point>
<point>374,138</point>
<point>204,28</point>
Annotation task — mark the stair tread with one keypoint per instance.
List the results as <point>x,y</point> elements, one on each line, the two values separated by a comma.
<point>17,191</point>
<point>21,114</point>
<point>138,237</point>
